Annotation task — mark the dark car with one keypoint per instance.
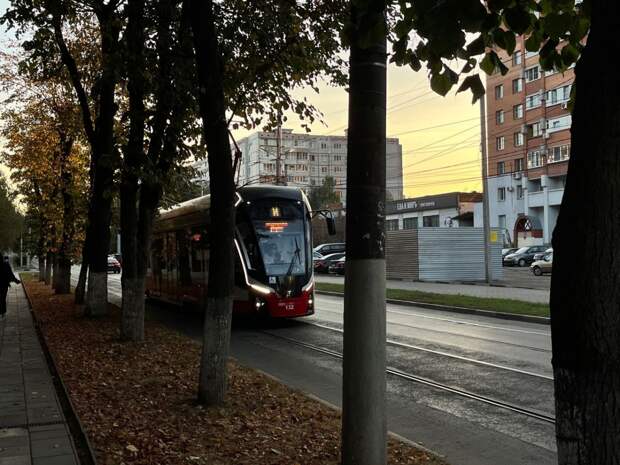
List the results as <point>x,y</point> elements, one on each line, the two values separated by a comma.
<point>113,265</point>
<point>326,249</point>
<point>524,256</point>
<point>338,266</point>
<point>322,265</point>
<point>509,251</point>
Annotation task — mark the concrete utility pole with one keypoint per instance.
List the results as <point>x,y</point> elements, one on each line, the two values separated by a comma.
<point>278,153</point>
<point>364,424</point>
<point>485,192</point>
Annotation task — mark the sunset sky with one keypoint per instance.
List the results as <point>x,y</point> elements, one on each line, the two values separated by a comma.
<point>435,159</point>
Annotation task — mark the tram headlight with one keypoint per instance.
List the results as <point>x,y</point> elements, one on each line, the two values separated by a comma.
<point>311,302</point>
<point>259,303</point>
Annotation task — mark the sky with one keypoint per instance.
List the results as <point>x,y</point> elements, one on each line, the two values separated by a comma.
<point>440,136</point>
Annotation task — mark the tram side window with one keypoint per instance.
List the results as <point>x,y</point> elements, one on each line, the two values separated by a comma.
<point>171,255</point>
<point>198,245</point>
<point>157,257</point>
<point>251,247</point>
<point>183,246</point>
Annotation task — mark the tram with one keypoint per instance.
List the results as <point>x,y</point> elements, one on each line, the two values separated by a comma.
<point>273,253</point>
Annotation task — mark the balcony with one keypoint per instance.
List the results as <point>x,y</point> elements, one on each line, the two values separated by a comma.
<point>555,196</point>
<point>535,199</point>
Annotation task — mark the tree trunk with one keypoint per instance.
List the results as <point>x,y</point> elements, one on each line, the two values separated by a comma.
<point>63,285</point>
<point>55,272</point>
<point>213,370</point>
<point>585,283</point>
<point>49,261</point>
<point>41,267</point>
<point>80,289</point>
<point>105,160</point>
<point>364,423</point>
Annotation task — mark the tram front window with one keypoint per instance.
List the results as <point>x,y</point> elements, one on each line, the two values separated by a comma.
<point>282,246</point>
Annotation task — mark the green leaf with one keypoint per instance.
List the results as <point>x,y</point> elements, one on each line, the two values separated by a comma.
<point>557,25</point>
<point>532,43</point>
<point>570,54</point>
<point>474,84</point>
<point>476,46</point>
<point>498,5</point>
<point>441,83</point>
<point>487,64</point>
<point>471,63</point>
<point>517,19</point>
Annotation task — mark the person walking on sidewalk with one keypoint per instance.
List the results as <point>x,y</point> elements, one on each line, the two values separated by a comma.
<point>6,278</point>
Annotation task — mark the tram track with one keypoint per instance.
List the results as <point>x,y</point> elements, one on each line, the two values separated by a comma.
<point>444,354</point>
<point>438,331</point>
<point>541,416</point>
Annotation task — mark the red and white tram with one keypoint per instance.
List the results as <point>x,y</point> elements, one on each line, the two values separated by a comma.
<point>273,259</point>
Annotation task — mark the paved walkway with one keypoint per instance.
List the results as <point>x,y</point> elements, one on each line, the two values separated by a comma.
<point>33,429</point>
<point>476,290</point>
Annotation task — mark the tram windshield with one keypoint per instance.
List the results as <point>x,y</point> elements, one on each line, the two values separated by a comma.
<point>280,231</point>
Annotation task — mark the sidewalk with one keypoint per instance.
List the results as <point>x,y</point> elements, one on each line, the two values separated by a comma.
<point>475,290</point>
<point>33,429</point>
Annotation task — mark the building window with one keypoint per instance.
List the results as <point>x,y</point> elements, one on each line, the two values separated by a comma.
<point>501,194</point>
<point>532,101</point>
<point>311,157</point>
<point>337,146</point>
<point>518,139</point>
<point>516,58</point>
<point>557,124</point>
<point>519,192</point>
<point>391,225</point>
<point>519,164</point>
<point>501,221</point>
<point>531,74</point>
<point>534,159</point>
<point>323,169</point>
<point>499,116</point>
<point>499,143</point>
<point>431,221</point>
<point>517,111</point>
<point>529,54</point>
<point>517,85</point>
<point>534,129</point>
<point>558,95</point>
<point>559,153</point>
<point>323,145</point>
<point>499,91</point>
<point>501,167</point>
<point>410,223</point>
<point>337,157</point>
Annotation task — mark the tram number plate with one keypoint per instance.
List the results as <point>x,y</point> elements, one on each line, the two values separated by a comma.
<point>290,306</point>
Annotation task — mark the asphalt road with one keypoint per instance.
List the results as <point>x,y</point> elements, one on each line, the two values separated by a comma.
<point>502,361</point>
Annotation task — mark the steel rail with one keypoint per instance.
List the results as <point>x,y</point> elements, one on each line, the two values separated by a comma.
<point>428,382</point>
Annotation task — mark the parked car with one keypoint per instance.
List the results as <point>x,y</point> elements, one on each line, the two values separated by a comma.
<point>322,264</point>
<point>113,265</point>
<point>508,251</point>
<point>337,266</point>
<point>541,255</point>
<point>326,249</point>
<point>316,256</point>
<point>540,267</point>
<point>524,256</point>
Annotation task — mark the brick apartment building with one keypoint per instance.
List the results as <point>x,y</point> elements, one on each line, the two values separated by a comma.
<point>528,141</point>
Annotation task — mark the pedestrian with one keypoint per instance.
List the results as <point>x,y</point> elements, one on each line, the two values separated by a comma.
<point>6,278</point>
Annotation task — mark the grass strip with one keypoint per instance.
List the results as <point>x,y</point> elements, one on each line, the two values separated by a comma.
<point>517,307</point>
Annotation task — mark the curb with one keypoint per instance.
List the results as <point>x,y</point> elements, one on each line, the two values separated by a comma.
<point>448,308</point>
<point>76,429</point>
<point>328,404</point>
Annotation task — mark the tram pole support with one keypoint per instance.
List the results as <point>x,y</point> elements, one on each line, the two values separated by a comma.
<point>364,425</point>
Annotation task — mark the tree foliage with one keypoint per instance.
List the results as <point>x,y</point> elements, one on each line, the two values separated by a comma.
<point>10,219</point>
<point>324,196</point>
<point>470,32</point>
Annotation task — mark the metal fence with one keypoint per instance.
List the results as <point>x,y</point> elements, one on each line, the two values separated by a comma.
<point>442,254</point>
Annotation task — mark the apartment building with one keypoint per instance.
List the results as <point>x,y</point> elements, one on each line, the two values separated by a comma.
<point>528,146</point>
<point>305,161</point>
